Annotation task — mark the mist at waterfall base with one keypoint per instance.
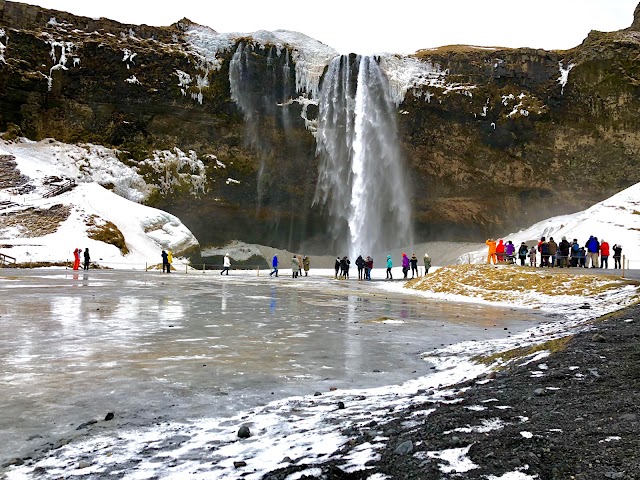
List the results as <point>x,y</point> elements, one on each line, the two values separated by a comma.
<point>361,179</point>
<point>359,203</point>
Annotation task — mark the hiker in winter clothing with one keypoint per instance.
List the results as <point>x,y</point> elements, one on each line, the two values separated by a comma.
<point>491,256</point>
<point>306,263</point>
<point>360,263</point>
<point>169,260</point>
<point>509,250</point>
<point>165,262</point>
<point>295,267</point>
<point>87,259</point>
<point>582,257</point>
<point>533,257</point>
<point>522,253</point>
<point>226,264</point>
<point>337,266</point>
<point>368,267</point>
<point>427,263</point>
<point>564,248</point>
<point>344,266</point>
<point>405,264</point>
<point>500,251</point>
<point>274,265</point>
<point>414,265</point>
<point>389,267</point>
<point>575,252</point>
<point>617,255</point>
<point>76,259</point>
<point>604,254</point>
<point>553,251</point>
<point>592,246</point>
<point>543,247</point>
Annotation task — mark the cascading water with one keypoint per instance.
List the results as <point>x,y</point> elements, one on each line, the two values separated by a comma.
<point>361,177</point>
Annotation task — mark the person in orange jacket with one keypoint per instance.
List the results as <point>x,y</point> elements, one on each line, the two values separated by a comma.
<point>500,251</point>
<point>76,259</point>
<point>491,257</point>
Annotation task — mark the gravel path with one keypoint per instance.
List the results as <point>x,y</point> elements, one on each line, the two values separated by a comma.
<point>572,415</point>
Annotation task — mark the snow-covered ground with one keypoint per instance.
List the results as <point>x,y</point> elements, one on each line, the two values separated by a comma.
<point>146,230</point>
<point>616,220</point>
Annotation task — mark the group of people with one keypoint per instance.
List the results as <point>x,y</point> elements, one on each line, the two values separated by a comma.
<point>365,265</point>
<point>299,264</point>
<point>594,253</point>
<point>76,259</point>
<point>167,260</point>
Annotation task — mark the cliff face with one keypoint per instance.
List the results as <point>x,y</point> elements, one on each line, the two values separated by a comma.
<point>510,137</point>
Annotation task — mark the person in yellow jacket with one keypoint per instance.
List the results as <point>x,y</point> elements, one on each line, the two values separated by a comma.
<point>169,260</point>
<point>492,251</point>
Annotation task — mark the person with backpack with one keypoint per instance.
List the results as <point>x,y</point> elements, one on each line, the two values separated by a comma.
<point>522,253</point>
<point>617,255</point>
<point>604,254</point>
<point>575,252</point>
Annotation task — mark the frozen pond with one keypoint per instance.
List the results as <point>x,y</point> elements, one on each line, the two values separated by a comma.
<point>151,346</point>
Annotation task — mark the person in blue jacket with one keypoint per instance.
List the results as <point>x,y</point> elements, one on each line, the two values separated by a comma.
<point>389,267</point>
<point>274,264</point>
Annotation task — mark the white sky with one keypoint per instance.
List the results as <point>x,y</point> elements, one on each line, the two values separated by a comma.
<point>399,26</point>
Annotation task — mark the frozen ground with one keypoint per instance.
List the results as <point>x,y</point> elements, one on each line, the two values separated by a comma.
<point>173,353</point>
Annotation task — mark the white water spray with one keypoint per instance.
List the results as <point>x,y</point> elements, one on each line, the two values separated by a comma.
<point>361,177</point>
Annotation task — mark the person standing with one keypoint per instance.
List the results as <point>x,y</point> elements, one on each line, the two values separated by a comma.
<point>274,265</point>
<point>170,260</point>
<point>575,252</point>
<point>533,255</point>
<point>76,259</point>
<point>617,255</point>
<point>509,251</point>
<point>500,251</point>
<point>491,256</point>
<point>544,253</point>
<point>522,253</point>
<point>345,270</point>
<point>414,264</point>
<point>592,247</point>
<point>300,266</point>
<point>226,264</point>
<point>368,267</point>
<point>427,263</point>
<point>306,263</point>
<point>87,259</point>
<point>337,266</point>
<point>389,267</point>
<point>604,254</point>
<point>564,248</point>
<point>294,267</point>
<point>553,251</point>
<point>165,262</point>
<point>405,265</point>
<point>360,264</point>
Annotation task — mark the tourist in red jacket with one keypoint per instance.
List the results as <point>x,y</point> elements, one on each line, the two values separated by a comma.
<point>604,254</point>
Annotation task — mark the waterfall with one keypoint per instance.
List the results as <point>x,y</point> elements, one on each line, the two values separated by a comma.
<point>361,179</point>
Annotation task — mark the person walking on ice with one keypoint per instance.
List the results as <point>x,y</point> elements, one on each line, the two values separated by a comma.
<point>274,265</point>
<point>389,267</point>
<point>226,264</point>
<point>414,264</point>
<point>427,263</point>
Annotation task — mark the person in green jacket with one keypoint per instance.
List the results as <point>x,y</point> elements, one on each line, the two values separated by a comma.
<point>427,263</point>
<point>389,267</point>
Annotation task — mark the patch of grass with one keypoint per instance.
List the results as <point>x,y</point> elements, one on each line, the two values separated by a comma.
<point>107,232</point>
<point>507,356</point>
<point>35,222</point>
<point>509,282</point>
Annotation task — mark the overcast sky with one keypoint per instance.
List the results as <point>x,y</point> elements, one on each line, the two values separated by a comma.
<point>397,26</point>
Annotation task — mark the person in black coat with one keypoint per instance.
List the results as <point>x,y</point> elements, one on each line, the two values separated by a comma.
<point>165,262</point>
<point>87,259</point>
<point>360,263</point>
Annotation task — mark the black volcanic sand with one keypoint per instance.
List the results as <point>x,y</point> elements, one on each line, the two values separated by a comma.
<point>570,413</point>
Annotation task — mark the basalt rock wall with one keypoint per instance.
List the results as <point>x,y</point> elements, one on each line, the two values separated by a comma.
<point>513,135</point>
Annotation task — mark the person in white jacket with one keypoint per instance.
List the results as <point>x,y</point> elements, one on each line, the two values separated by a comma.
<point>227,264</point>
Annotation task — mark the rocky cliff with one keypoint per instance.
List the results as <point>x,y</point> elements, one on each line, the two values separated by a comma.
<point>495,139</point>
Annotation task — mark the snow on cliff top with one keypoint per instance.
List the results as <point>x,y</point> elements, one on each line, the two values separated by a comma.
<point>27,226</point>
<point>616,220</point>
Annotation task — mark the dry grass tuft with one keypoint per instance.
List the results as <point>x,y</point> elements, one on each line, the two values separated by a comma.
<point>509,281</point>
<point>34,222</point>
<point>552,346</point>
<point>107,232</point>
